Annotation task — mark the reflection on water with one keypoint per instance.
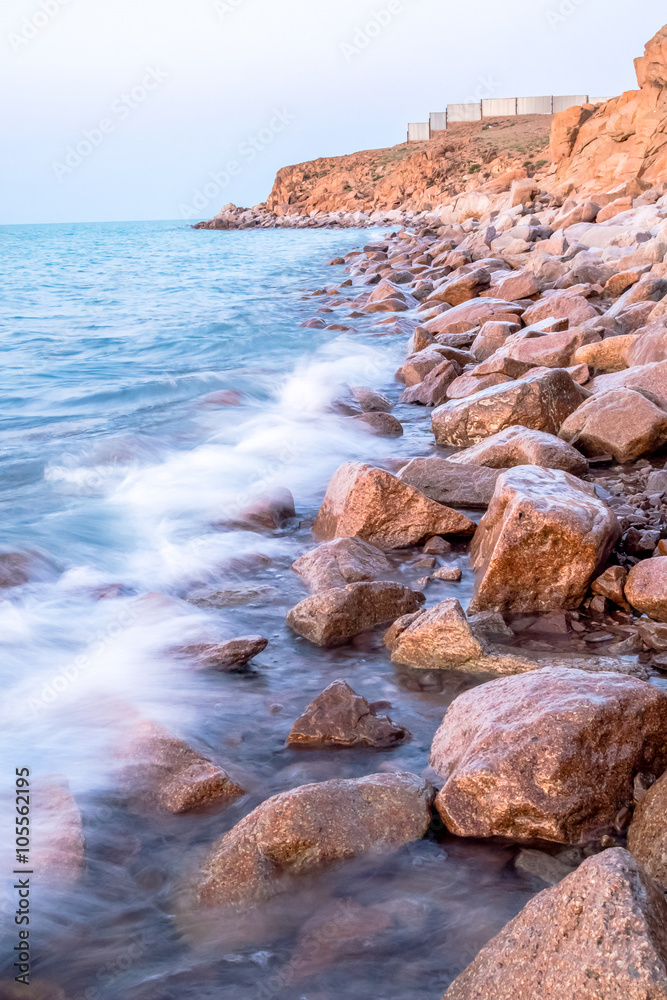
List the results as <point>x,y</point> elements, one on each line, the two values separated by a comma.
<point>116,466</point>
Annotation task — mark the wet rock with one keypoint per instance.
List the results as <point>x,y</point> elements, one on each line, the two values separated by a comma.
<point>268,513</point>
<point>463,288</point>
<point>57,843</point>
<point>14,569</point>
<point>224,397</point>
<point>233,597</point>
<point>646,588</point>
<point>449,483</point>
<point>227,656</point>
<point>598,934</point>
<point>39,989</point>
<point>371,401</point>
<point>610,355</point>
<point>333,617</point>
<point>382,424</point>
<point>306,829</point>
<point>619,422</point>
<point>345,560</point>
<point>539,402</point>
<point>520,446</point>
<point>647,836</point>
<point>367,503</point>
<point>653,635</point>
<point>449,574</point>
<point>550,754</point>
<point>166,775</point>
<point>543,538</point>
<point>419,365</point>
<point>544,866</point>
<point>341,717</point>
<point>439,546</point>
<point>610,585</point>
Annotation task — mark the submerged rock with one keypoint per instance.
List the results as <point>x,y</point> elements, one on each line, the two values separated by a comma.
<point>306,829</point>
<point>371,504</point>
<point>371,401</point>
<point>543,538</point>
<point>647,836</point>
<point>381,424</point>
<point>521,446</point>
<point>57,843</point>
<point>550,754</point>
<point>601,934</point>
<point>165,774</point>
<point>345,560</point>
<point>333,617</point>
<point>341,717</point>
<point>230,655</point>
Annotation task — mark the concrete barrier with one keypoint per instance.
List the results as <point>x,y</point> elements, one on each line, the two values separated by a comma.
<point>499,107</point>
<point>438,121</point>
<point>418,132</point>
<point>563,103</point>
<point>534,105</point>
<point>464,112</point>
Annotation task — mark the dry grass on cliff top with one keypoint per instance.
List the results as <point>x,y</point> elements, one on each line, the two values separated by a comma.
<point>416,175</point>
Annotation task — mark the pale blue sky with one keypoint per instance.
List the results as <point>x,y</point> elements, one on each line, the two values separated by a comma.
<point>161,94</point>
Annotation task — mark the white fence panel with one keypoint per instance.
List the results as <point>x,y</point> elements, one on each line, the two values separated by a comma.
<point>534,105</point>
<point>418,132</point>
<point>438,121</point>
<point>464,112</point>
<point>563,103</point>
<point>498,107</point>
<point>600,100</point>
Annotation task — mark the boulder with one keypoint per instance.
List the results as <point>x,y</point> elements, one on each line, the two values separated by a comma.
<point>515,285</point>
<point>610,355</point>
<point>449,483</point>
<point>227,656</point>
<point>619,282</point>
<point>371,504</point>
<point>333,617</point>
<point>600,934</point>
<point>386,290</point>
<point>647,836</point>
<point>520,446</point>
<point>267,513</point>
<point>649,288</point>
<point>610,585</point>
<point>419,365</point>
<point>472,314</point>
<point>551,350</point>
<point>492,336</point>
<point>306,829</point>
<point>543,538</point>
<point>649,345</point>
<point>341,717</point>
<point>162,773</point>
<point>371,401</point>
<point>550,754</point>
<point>651,377</point>
<point>539,402</point>
<point>433,389</point>
<point>646,588</point>
<point>345,560</point>
<point>470,383</point>
<point>462,288</point>
<point>381,424</point>
<point>561,305</point>
<point>619,422</point>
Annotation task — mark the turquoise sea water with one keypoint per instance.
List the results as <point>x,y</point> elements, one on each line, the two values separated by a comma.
<point>116,479</point>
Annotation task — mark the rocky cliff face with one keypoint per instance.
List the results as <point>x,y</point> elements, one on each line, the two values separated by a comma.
<point>621,144</point>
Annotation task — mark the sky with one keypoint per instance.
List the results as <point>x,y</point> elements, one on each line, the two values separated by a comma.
<point>118,110</point>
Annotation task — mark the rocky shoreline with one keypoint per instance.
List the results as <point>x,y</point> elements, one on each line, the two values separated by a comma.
<point>536,340</point>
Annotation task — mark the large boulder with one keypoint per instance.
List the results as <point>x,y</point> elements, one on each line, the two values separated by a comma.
<point>601,934</point>
<point>651,378</point>
<point>335,616</point>
<point>474,313</point>
<point>646,588</point>
<point>550,754</point>
<point>520,446</point>
<point>449,483</point>
<point>306,829</point>
<point>550,350</point>
<point>542,540</point>
<point>371,504</point>
<point>619,422</point>
<point>610,355</point>
<point>345,560</point>
<point>341,717</point>
<point>434,387</point>
<point>647,836</point>
<point>648,346</point>
<point>561,305</point>
<point>540,402</point>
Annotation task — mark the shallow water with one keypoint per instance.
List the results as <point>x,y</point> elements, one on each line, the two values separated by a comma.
<point>114,471</point>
